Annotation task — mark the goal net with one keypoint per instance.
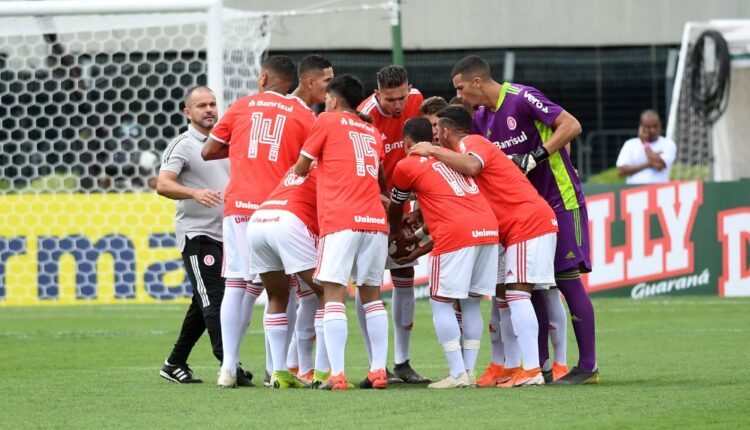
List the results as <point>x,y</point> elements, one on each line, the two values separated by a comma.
<point>711,102</point>
<point>88,102</point>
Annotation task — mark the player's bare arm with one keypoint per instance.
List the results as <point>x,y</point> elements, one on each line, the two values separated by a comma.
<point>462,163</point>
<point>214,150</point>
<point>302,168</point>
<point>395,216</point>
<point>566,128</point>
<point>168,187</point>
<point>418,252</point>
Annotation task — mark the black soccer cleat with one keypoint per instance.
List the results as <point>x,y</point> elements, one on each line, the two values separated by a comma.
<point>547,375</point>
<point>392,378</point>
<point>244,378</point>
<point>181,374</point>
<point>408,375</point>
<point>578,376</point>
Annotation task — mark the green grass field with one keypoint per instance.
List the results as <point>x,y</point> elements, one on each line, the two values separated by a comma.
<point>665,364</point>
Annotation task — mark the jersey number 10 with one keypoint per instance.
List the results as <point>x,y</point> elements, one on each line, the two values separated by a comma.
<point>460,184</point>
<point>265,131</point>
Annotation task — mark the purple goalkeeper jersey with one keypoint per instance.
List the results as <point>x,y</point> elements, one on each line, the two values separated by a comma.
<point>521,121</point>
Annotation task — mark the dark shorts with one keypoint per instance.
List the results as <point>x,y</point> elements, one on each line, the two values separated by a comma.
<point>573,249</point>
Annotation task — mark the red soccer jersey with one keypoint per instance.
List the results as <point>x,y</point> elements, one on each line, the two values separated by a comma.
<point>392,129</point>
<point>521,212</point>
<point>452,206</point>
<point>297,195</point>
<point>264,132</point>
<point>348,151</point>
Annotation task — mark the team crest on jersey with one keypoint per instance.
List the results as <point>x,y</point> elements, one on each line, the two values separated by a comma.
<point>209,260</point>
<point>512,124</point>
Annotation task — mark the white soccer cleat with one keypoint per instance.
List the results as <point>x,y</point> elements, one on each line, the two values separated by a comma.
<point>471,378</point>
<point>450,382</point>
<point>226,379</point>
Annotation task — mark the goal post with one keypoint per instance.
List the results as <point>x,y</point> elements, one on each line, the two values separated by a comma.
<point>709,103</point>
<point>90,97</point>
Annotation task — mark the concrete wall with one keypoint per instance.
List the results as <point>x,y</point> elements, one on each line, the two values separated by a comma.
<point>444,24</point>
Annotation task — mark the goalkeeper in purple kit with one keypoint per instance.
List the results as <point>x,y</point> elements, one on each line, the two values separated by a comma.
<point>532,131</point>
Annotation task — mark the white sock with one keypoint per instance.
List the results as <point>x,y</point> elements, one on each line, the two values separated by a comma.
<point>377,327</point>
<point>498,351</point>
<point>525,326</point>
<point>305,331</point>
<point>336,331</point>
<point>276,327</point>
<point>252,292</point>
<point>558,325</point>
<point>231,330</point>
<point>473,327</point>
<point>292,359</point>
<point>510,343</point>
<point>269,357</point>
<point>403,317</point>
<point>448,334</point>
<point>363,325</point>
<point>321,354</point>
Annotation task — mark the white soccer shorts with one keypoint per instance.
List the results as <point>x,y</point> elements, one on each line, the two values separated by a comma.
<point>279,240</point>
<point>236,248</point>
<point>458,273</point>
<point>529,262</point>
<point>352,254</point>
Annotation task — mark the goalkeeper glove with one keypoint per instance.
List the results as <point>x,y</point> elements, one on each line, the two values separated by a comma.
<point>526,162</point>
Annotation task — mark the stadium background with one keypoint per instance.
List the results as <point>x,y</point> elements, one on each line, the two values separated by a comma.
<point>80,140</point>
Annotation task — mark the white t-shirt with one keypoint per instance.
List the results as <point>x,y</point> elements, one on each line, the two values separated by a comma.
<point>633,153</point>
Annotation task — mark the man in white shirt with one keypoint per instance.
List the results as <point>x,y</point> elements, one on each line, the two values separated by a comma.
<point>648,158</point>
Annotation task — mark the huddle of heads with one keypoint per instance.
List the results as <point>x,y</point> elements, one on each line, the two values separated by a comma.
<point>346,92</point>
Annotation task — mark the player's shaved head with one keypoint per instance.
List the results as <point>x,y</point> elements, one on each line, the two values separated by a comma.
<point>194,89</point>
<point>472,66</point>
<point>280,72</point>
<point>455,117</point>
<point>432,105</point>
<point>392,76</point>
<point>348,88</point>
<point>649,114</point>
<point>312,63</point>
<point>418,129</point>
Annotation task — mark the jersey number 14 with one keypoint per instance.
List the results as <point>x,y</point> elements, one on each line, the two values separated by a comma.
<point>265,131</point>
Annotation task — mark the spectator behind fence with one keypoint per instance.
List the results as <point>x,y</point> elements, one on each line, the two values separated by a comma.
<point>648,158</point>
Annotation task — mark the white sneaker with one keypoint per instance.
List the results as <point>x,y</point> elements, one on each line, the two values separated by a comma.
<point>450,382</point>
<point>470,378</point>
<point>226,379</point>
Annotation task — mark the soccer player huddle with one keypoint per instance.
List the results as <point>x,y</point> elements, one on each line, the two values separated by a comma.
<point>485,185</point>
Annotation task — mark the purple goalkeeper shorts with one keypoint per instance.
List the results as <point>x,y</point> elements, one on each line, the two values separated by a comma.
<point>573,241</point>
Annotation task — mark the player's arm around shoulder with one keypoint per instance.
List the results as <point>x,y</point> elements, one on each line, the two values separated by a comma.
<point>466,164</point>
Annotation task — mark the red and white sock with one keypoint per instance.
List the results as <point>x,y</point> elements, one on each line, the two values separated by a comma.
<point>525,326</point>
<point>448,334</point>
<point>231,329</point>
<point>510,342</point>
<point>496,341</point>
<point>292,358</point>
<point>305,330</point>
<point>363,325</point>
<point>336,332</point>
<point>276,328</point>
<point>377,328</point>
<point>321,354</point>
<point>558,325</point>
<point>402,307</point>
<point>473,327</point>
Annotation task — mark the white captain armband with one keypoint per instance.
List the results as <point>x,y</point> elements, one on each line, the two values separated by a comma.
<point>399,196</point>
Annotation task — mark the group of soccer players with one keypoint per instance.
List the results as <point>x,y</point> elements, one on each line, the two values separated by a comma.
<point>315,203</point>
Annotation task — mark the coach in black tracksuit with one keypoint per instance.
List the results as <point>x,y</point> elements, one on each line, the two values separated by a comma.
<point>197,186</point>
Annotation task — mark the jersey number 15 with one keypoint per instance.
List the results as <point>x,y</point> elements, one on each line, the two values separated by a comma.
<point>362,151</point>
